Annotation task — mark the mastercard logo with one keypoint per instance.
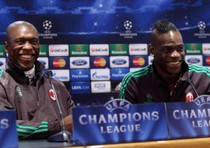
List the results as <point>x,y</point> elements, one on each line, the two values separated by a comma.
<point>138,61</point>
<point>59,63</point>
<point>99,62</point>
<point>208,60</point>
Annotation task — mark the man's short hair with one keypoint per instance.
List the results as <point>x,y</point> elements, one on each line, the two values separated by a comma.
<point>163,26</point>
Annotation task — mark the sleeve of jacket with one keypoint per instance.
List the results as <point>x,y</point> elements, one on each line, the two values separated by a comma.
<point>127,89</point>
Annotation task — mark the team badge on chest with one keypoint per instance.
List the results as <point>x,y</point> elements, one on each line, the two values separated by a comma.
<point>51,94</point>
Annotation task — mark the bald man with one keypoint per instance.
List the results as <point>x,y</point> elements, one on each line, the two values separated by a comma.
<point>25,88</point>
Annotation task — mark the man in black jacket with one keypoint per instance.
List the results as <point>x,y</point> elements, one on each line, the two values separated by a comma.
<point>25,88</point>
<point>169,78</point>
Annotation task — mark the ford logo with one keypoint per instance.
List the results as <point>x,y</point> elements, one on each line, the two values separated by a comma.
<point>193,60</point>
<point>79,62</point>
<point>119,61</point>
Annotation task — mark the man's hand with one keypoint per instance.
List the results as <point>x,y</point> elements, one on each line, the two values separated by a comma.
<point>68,123</point>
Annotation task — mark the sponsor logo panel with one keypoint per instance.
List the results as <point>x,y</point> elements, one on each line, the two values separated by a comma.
<point>118,49</point>
<point>100,86</point>
<point>43,52</point>
<point>150,59</point>
<point>2,51</point>
<point>99,49</point>
<point>45,61</point>
<point>193,49</point>
<point>79,62</point>
<point>2,63</point>
<point>80,87</point>
<point>99,62</point>
<point>79,50</point>
<point>59,62</point>
<point>59,50</point>
<point>100,74</point>
<point>138,49</point>
<point>118,73</point>
<point>138,61</point>
<point>194,59</point>
<point>135,69</point>
<point>206,60</point>
<point>206,48</point>
<point>62,74</point>
<point>80,74</point>
<point>119,61</point>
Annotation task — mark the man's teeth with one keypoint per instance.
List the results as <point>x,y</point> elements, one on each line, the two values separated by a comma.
<point>174,62</point>
<point>26,56</point>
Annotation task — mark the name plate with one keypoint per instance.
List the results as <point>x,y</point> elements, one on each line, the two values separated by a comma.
<point>189,119</point>
<point>119,121</point>
<point>8,132</point>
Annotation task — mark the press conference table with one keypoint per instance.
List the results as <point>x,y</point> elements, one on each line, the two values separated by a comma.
<point>185,143</point>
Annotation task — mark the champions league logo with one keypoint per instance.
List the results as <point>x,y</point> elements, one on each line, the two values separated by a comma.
<point>128,34</point>
<point>117,104</point>
<point>202,34</point>
<point>47,25</point>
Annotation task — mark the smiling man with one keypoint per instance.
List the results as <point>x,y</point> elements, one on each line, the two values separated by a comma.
<point>24,86</point>
<point>169,78</point>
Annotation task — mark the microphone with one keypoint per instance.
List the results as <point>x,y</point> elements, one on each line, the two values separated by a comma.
<point>193,87</point>
<point>63,135</point>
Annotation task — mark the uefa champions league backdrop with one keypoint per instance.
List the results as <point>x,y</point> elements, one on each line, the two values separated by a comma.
<point>91,44</point>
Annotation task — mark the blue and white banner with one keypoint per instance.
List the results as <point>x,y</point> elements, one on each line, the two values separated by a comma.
<point>119,121</point>
<point>189,119</point>
<point>8,131</point>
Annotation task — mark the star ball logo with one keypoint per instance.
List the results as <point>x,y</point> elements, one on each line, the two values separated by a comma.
<point>128,25</point>
<point>47,25</point>
<point>202,33</point>
<point>201,25</point>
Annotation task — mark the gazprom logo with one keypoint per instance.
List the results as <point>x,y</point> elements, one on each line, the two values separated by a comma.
<point>100,74</point>
<point>115,104</point>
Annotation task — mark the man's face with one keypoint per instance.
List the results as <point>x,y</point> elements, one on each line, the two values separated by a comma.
<point>22,46</point>
<point>168,50</point>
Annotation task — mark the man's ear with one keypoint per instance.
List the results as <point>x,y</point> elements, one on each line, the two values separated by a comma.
<point>151,49</point>
<point>6,46</point>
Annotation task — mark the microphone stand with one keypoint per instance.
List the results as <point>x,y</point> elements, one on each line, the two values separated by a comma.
<point>63,135</point>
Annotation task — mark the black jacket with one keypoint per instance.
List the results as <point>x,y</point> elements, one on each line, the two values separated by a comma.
<point>37,114</point>
<point>144,86</point>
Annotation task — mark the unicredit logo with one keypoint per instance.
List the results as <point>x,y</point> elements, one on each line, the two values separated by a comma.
<point>193,60</point>
<point>99,62</point>
<point>58,50</point>
<point>59,63</point>
<point>79,62</point>
<point>119,61</point>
